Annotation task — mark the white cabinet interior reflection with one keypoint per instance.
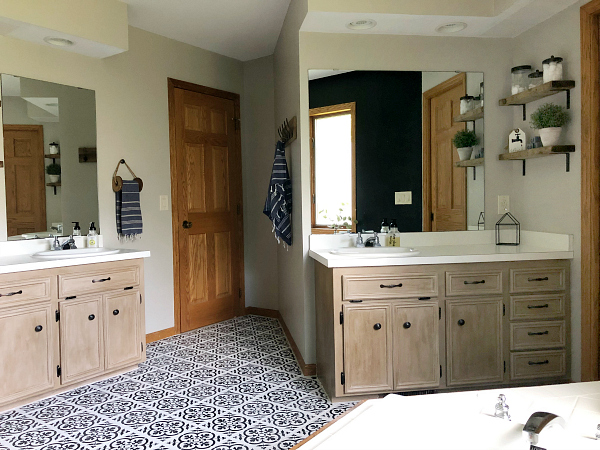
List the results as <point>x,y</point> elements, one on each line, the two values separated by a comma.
<point>382,148</point>
<point>35,114</point>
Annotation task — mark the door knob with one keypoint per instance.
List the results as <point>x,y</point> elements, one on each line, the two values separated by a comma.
<point>187,224</point>
<point>406,325</point>
<point>461,322</point>
<point>116,312</point>
<point>38,328</point>
<point>377,326</point>
<point>91,317</point>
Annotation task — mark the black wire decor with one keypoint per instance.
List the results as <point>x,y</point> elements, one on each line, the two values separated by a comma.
<point>508,230</point>
<point>288,131</point>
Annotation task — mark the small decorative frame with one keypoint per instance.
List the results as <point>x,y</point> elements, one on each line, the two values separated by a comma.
<point>508,230</point>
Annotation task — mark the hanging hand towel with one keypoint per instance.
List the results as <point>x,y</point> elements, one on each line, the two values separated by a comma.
<point>129,212</point>
<point>278,206</point>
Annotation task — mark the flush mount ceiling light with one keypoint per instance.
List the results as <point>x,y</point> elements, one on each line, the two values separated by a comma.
<point>59,42</point>
<point>364,24</point>
<point>453,27</point>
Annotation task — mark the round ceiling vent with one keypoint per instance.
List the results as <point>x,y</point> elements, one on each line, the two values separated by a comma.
<point>363,24</point>
<point>453,27</point>
<point>59,42</point>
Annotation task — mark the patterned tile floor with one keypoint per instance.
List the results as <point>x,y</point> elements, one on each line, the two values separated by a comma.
<point>232,385</point>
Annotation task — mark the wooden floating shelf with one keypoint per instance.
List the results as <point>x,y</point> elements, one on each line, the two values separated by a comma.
<point>53,184</point>
<point>537,93</point>
<point>470,163</point>
<point>52,156</point>
<point>538,153</point>
<point>470,116</point>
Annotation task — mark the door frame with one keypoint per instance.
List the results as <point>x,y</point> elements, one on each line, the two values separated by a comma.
<point>590,191</point>
<point>178,84</point>
<point>447,85</point>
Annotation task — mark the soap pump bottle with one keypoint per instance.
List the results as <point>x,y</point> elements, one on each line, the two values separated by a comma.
<point>393,237</point>
<point>76,229</point>
<point>92,236</point>
<point>384,226</point>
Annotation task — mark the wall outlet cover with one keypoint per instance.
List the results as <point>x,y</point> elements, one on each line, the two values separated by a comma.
<point>503,204</point>
<point>164,203</point>
<point>403,198</point>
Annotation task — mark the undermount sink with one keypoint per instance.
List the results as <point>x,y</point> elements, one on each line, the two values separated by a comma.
<point>74,253</point>
<point>376,252</point>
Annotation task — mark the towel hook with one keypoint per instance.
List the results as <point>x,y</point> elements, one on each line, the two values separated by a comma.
<point>117,181</point>
<point>288,131</point>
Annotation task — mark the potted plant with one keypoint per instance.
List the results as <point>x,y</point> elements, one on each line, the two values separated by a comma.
<point>549,119</point>
<point>53,171</point>
<point>464,141</point>
<point>340,222</point>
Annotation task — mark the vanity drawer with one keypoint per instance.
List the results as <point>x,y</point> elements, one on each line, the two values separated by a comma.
<point>473,283</point>
<point>362,287</point>
<point>24,290</point>
<point>532,335</point>
<point>536,280</point>
<point>538,364</point>
<point>98,281</point>
<point>537,306</point>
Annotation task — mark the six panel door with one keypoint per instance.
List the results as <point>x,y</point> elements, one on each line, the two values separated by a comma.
<point>122,329</point>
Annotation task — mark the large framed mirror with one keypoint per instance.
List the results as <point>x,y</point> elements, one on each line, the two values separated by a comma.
<point>50,170</point>
<point>382,150</point>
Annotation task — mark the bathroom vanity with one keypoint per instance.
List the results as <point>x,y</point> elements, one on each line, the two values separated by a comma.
<point>65,322</point>
<point>449,318</point>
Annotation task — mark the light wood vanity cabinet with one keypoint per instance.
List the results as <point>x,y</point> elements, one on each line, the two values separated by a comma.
<point>406,328</point>
<point>63,327</point>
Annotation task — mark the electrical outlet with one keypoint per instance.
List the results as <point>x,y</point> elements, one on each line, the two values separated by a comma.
<point>503,204</point>
<point>164,203</point>
<point>403,198</point>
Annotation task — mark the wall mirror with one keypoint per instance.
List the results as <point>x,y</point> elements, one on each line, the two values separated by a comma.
<point>382,148</point>
<point>48,124</point>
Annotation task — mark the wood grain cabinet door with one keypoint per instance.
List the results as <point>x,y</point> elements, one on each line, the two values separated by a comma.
<point>474,341</point>
<point>122,334</point>
<point>26,362</point>
<point>416,345</point>
<point>367,348</point>
<point>81,341</point>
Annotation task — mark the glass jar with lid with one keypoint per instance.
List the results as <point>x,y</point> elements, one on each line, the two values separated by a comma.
<point>553,69</point>
<point>520,80</point>
<point>536,79</point>
<point>466,104</point>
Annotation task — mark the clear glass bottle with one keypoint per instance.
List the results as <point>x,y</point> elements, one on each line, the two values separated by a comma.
<point>92,236</point>
<point>520,78</point>
<point>385,227</point>
<point>553,69</point>
<point>393,239</point>
<point>76,229</point>
<point>536,79</point>
<point>466,104</point>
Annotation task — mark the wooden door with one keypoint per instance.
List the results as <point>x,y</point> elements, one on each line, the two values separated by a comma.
<point>416,345</point>
<point>26,349</point>
<point>24,179</point>
<point>207,206</point>
<point>444,185</point>
<point>122,333</point>
<point>367,348</point>
<point>81,343</point>
<point>474,341</point>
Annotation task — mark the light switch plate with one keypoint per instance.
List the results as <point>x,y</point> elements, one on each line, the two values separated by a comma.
<point>164,203</point>
<point>503,204</point>
<point>403,198</point>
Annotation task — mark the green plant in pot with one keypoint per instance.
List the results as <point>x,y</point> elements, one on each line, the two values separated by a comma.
<point>53,171</point>
<point>464,141</point>
<point>549,120</point>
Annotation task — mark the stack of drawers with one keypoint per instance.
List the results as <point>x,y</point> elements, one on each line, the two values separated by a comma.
<point>538,329</point>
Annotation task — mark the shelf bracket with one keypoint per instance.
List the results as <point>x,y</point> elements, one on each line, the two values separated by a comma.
<point>568,100</point>
<point>568,156</point>
<point>524,166</point>
<point>524,112</point>
<point>55,189</point>
<point>474,173</point>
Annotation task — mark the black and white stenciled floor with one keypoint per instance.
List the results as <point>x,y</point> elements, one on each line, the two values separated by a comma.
<point>232,385</point>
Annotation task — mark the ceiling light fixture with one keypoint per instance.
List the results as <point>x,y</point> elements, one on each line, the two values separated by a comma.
<point>59,42</point>
<point>453,27</point>
<point>364,24</point>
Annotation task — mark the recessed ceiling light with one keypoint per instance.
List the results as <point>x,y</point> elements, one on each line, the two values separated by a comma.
<point>59,42</point>
<point>364,24</point>
<point>453,27</point>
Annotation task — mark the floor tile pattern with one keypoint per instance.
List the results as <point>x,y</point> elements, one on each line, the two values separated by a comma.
<point>233,385</point>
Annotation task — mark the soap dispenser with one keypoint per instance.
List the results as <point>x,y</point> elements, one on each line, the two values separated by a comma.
<point>384,226</point>
<point>76,229</point>
<point>393,239</point>
<point>92,236</point>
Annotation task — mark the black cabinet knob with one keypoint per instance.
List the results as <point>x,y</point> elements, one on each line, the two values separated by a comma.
<point>186,224</point>
<point>116,312</point>
<point>406,325</point>
<point>377,326</point>
<point>91,317</point>
<point>39,328</point>
<point>461,322</point>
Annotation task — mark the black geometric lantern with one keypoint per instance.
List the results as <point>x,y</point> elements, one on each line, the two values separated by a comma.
<point>508,230</point>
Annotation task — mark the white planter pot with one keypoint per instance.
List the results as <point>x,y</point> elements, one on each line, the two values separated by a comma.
<point>464,153</point>
<point>54,178</point>
<point>54,149</point>
<point>550,136</point>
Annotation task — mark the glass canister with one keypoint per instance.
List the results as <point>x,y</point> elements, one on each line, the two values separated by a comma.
<point>481,92</point>
<point>466,104</point>
<point>536,79</point>
<point>520,80</point>
<point>477,102</point>
<point>553,69</point>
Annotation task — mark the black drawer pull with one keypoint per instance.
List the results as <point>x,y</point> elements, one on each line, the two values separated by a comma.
<point>538,279</point>
<point>538,306</point>
<point>355,301</point>
<point>475,282</point>
<point>101,280</point>
<point>538,363</point>
<point>406,325</point>
<point>390,286</point>
<point>39,328</point>
<point>128,288</point>
<point>541,333</point>
<point>461,322</point>
<point>11,294</point>
<point>424,298</point>
<point>91,317</point>
<point>377,326</point>
<point>116,312</point>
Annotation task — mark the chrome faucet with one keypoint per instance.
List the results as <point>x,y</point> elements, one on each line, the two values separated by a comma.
<point>359,240</point>
<point>373,241</point>
<point>537,422</point>
<point>55,244</point>
<point>69,244</point>
<point>501,410</point>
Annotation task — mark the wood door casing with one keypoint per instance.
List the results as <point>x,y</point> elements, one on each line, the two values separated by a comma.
<point>24,179</point>
<point>206,173</point>
<point>122,337</point>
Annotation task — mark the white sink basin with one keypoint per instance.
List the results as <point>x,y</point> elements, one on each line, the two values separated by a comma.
<point>75,253</point>
<point>376,252</point>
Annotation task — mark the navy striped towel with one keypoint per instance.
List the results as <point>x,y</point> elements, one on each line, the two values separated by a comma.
<point>129,212</point>
<point>278,206</point>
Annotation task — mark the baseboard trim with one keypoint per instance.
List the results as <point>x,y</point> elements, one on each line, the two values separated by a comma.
<point>162,334</point>
<point>308,370</point>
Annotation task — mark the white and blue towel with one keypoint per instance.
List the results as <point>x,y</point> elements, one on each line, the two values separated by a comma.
<point>278,206</point>
<point>128,211</point>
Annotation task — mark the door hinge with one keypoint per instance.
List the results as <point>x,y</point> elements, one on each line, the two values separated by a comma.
<point>57,315</point>
<point>142,345</point>
<point>503,309</point>
<point>440,371</point>
<point>239,209</point>
<point>140,299</point>
<point>504,366</point>
<point>343,378</point>
<point>440,313</point>
<point>240,292</point>
<point>314,199</point>
<point>432,217</point>
<point>341,317</point>
<point>58,371</point>
<point>237,123</point>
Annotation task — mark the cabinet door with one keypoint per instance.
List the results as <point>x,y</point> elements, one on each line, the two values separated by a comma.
<point>81,343</point>
<point>26,363</point>
<point>474,341</point>
<point>416,345</point>
<point>367,348</point>
<point>122,333</point>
